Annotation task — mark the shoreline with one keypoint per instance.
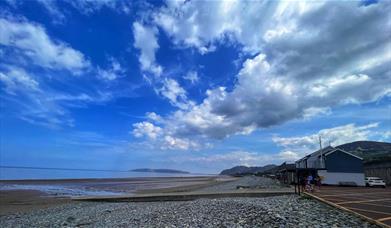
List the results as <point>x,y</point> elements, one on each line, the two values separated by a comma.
<point>217,202</point>
<point>28,195</point>
<point>107,179</point>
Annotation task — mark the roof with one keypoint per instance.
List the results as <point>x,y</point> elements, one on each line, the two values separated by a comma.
<point>327,151</point>
<point>318,153</point>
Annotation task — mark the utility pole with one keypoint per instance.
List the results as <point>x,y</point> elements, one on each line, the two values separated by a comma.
<point>321,151</point>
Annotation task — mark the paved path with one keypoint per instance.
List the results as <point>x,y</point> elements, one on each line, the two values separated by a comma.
<point>372,203</point>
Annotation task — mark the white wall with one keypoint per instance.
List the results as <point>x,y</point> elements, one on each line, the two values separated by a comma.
<point>335,178</point>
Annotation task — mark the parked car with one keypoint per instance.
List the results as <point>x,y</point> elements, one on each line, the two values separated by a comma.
<point>374,181</point>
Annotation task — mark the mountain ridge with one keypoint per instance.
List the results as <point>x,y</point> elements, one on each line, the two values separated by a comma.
<point>242,170</point>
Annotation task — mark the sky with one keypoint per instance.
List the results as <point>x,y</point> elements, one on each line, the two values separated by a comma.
<point>192,85</point>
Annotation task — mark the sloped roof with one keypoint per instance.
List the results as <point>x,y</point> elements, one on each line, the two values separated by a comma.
<point>318,153</point>
<point>327,151</point>
<point>337,149</point>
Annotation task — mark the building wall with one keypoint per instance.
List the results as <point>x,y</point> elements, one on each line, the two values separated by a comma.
<point>334,178</point>
<point>380,169</point>
<point>340,162</point>
<point>384,173</point>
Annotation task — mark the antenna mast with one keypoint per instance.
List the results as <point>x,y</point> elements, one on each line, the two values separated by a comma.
<point>321,151</point>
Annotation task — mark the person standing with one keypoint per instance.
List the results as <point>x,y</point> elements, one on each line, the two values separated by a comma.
<point>310,182</point>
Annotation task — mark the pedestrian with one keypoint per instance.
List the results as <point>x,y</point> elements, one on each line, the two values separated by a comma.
<point>319,181</point>
<point>302,183</point>
<point>310,182</point>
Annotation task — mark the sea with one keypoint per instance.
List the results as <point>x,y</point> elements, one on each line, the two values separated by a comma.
<point>30,173</point>
<point>20,177</point>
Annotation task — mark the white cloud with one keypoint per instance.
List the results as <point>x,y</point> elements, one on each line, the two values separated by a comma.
<point>289,156</point>
<point>161,139</point>
<point>91,6</point>
<point>386,135</point>
<point>154,117</point>
<point>32,41</point>
<point>312,57</point>
<point>27,74</point>
<point>335,136</point>
<point>113,72</point>
<point>146,129</point>
<point>17,79</point>
<point>87,7</point>
<point>228,159</point>
<point>174,93</point>
<point>316,111</point>
<point>173,143</point>
<point>192,76</point>
<point>200,25</point>
<point>145,39</point>
<point>54,11</point>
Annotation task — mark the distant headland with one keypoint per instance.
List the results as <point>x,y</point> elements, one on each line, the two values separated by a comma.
<point>159,171</point>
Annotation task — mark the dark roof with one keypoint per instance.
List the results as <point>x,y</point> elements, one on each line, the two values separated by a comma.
<point>318,152</point>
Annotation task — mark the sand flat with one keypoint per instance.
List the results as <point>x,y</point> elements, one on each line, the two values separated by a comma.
<point>27,195</point>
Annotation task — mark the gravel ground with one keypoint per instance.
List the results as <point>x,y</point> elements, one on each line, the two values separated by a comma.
<point>279,211</point>
<point>248,182</point>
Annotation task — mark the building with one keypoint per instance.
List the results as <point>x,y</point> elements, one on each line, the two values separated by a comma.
<point>379,168</point>
<point>335,166</point>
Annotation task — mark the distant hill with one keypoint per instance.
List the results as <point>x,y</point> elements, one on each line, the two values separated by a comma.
<point>146,170</point>
<point>369,150</point>
<point>242,170</point>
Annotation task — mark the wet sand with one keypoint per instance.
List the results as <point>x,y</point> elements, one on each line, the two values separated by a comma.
<point>23,200</point>
<point>12,201</point>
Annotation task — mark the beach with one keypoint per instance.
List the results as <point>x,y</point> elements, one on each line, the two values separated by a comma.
<point>27,195</point>
<point>33,208</point>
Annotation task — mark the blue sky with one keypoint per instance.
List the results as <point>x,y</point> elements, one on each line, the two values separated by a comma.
<point>194,85</point>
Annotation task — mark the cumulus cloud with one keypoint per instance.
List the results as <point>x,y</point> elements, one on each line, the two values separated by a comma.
<point>311,58</point>
<point>146,129</point>
<point>145,39</point>
<point>174,93</point>
<point>160,138</point>
<point>31,42</point>
<point>333,136</point>
<point>200,25</point>
<point>173,143</point>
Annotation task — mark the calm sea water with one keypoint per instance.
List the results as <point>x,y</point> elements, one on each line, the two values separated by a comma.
<point>75,188</point>
<point>28,173</point>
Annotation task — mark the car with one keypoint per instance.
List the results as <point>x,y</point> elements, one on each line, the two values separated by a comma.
<point>374,181</point>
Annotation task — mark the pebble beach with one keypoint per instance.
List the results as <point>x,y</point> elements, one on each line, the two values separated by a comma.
<point>276,211</point>
<point>279,211</point>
